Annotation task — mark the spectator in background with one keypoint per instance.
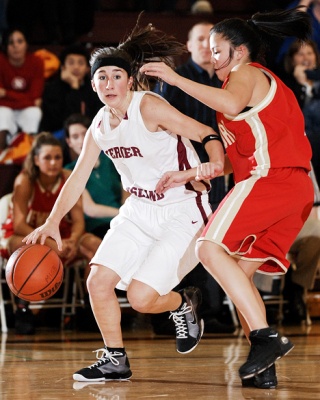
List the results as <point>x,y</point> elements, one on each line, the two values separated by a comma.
<point>199,68</point>
<point>21,87</point>
<point>302,75</point>
<point>305,256</point>
<point>70,92</point>
<point>201,7</point>
<point>35,190</point>
<point>103,195</point>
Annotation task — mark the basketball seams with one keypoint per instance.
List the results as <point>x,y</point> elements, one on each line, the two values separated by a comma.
<point>48,285</point>
<point>34,269</point>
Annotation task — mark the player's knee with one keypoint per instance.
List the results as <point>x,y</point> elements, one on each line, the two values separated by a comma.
<point>98,284</point>
<point>93,284</point>
<point>202,252</point>
<point>139,301</point>
<point>206,252</point>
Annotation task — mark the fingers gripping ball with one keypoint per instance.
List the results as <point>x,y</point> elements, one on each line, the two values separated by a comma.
<point>34,272</point>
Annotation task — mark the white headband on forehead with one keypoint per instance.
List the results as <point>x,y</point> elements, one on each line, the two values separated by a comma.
<point>106,61</point>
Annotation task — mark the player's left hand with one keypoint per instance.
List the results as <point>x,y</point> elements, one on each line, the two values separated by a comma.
<point>160,70</point>
<point>172,179</point>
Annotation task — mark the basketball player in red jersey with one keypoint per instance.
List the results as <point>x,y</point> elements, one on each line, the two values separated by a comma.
<point>263,132</point>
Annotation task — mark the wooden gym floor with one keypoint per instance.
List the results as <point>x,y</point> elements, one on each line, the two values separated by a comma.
<point>40,367</point>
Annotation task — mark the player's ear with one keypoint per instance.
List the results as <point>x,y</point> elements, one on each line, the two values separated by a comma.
<point>240,52</point>
<point>130,82</point>
<point>93,85</point>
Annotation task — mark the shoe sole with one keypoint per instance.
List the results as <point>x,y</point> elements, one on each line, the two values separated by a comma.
<point>251,375</point>
<point>264,386</point>
<point>252,384</point>
<point>201,333</point>
<point>81,378</point>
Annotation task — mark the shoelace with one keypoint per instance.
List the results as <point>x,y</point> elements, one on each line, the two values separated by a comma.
<point>180,321</point>
<point>105,356</point>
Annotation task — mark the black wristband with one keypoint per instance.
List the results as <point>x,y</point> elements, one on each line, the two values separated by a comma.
<point>211,137</point>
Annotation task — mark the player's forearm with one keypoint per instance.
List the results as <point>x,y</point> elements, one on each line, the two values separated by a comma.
<point>100,211</point>
<point>67,198</point>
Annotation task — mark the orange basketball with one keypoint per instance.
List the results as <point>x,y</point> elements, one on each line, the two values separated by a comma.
<point>34,272</point>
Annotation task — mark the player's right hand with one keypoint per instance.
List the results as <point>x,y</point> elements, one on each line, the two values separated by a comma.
<point>48,229</point>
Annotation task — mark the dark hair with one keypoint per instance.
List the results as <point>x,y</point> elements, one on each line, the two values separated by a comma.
<point>141,46</point>
<point>76,119</point>
<point>254,32</point>
<point>74,49</point>
<point>7,35</point>
<point>293,50</point>
<point>42,139</point>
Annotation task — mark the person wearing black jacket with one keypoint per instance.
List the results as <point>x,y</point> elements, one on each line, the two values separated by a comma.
<point>70,92</point>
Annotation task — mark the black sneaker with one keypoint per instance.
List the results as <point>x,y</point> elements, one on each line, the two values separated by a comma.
<point>189,327</point>
<point>111,366</point>
<point>266,380</point>
<point>267,346</point>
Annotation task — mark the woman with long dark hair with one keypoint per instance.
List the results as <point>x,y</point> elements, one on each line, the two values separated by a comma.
<point>266,149</point>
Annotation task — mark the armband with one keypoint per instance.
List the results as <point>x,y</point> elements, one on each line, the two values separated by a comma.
<point>211,137</point>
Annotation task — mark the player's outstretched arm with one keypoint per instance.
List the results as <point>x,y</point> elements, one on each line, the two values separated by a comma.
<point>69,195</point>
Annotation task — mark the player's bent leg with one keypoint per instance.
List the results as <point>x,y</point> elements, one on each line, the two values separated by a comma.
<point>104,302</point>
<point>113,363</point>
<point>143,298</point>
<point>267,345</point>
<point>183,306</point>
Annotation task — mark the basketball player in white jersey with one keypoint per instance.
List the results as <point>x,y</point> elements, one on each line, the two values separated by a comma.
<point>151,244</point>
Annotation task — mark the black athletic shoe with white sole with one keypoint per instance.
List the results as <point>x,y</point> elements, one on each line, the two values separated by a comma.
<point>267,346</point>
<point>111,366</point>
<point>189,327</point>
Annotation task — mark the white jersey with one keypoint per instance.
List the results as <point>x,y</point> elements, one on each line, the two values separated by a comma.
<point>142,157</point>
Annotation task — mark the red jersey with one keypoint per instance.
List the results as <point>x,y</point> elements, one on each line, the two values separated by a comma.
<point>23,84</point>
<point>41,205</point>
<point>270,154</point>
<point>269,135</point>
